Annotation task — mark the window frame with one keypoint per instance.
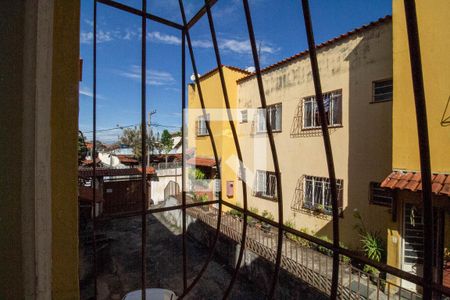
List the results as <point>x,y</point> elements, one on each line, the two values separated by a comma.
<point>314,110</point>
<point>270,183</point>
<point>202,120</point>
<point>243,120</point>
<point>373,185</point>
<point>325,185</point>
<point>260,110</point>
<point>374,87</point>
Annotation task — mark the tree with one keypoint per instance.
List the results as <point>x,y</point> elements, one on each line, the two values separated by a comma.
<point>166,142</point>
<point>82,149</point>
<point>132,138</point>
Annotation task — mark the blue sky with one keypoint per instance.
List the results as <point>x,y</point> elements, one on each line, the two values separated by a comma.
<point>278,28</point>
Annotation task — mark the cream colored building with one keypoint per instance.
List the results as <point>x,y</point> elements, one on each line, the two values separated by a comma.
<point>356,76</point>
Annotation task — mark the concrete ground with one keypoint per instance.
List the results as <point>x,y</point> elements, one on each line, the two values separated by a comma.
<point>119,262</point>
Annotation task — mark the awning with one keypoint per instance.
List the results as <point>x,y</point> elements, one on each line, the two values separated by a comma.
<point>201,161</point>
<point>412,181</point>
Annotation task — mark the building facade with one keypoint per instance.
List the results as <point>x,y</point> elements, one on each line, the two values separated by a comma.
<point>356,76</point>
<point>405,237</point>
<point>200,151</point>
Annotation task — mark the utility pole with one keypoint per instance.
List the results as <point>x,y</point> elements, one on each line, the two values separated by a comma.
<point>150,135</point>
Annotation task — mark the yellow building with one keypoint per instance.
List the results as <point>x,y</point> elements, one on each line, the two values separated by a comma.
<point>198,139</point>
<point>356,77</point>
<point>405,238</point>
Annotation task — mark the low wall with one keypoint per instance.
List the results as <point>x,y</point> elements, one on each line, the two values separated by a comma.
<point>164,176</point>
<point>257,270</point>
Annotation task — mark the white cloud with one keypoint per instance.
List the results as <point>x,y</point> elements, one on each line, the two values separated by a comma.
<point>102,36</point>
<point>85,91</point>
<point>154,77</point>
<point>164,38</point>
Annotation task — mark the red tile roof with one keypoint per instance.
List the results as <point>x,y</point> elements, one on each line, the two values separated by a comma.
<point>319,46</point>
<point>150,170</point>
<point>127,159</point>
<point>201,161</point>
<point>412,181</point>
<point>100,172</point>
<point>90,161</point>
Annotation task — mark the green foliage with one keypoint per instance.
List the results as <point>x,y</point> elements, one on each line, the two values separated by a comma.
<point>235,213</point>
<point>166,141</point>
<point>201,198</point>
<point>289,223</point>
<point>132,138</point>
<point>196,174</point>
<point>327,251</point>
<point>371,270</point>
<point>373,246</point>
<point>266,214</point>
<point>82,149</point>
<point>254,210</point>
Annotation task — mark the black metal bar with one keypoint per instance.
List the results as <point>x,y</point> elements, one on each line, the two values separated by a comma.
<point>199,14</point>
<point>273,149</point>
<point>326,142</point>
<point>183,162</point>
<point>424,145</point>
<point>144,147</point>
<point>237,146</point>
<point>214,148</point>
<point>137,12</point>
<point>94,146</point>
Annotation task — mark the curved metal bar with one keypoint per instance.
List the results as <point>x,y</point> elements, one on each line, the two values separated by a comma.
<point>327,145</point>
<point>144,146</point>
<point>273,149</point>
<point>94,145</point>
<point>424,145</point>
<point>236,144</point>
<point>216,157</point>
<point>183,162</point>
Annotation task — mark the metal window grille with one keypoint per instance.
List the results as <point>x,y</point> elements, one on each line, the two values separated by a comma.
<point>426,281</point>
<point>333,110</point>
<point>382,90</point>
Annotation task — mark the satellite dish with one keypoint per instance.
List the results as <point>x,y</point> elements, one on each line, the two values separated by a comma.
<point>193,76</point>
<point>250,69</point>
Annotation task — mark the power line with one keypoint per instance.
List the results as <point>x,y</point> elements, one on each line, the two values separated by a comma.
<point>133,125</point>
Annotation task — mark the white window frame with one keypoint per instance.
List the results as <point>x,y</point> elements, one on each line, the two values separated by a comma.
<point>201,125</point>
<point>330,100</point>
<point>275,120</point>
<point>244,116</point>
<point>389,82</point>
<point>266,184</point>
<point>312,203</point>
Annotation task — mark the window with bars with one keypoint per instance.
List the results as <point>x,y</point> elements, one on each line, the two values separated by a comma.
<point>382,90</point>
<point>317,193</point>
<point>333,109</point>
<point>266,184</point>
<point>244,116</point>
<point>201,125</point>
<point>274,112</point>
<point>380,196</point>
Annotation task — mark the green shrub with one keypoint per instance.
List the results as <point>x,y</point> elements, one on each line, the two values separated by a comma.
<point>266,214</point>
